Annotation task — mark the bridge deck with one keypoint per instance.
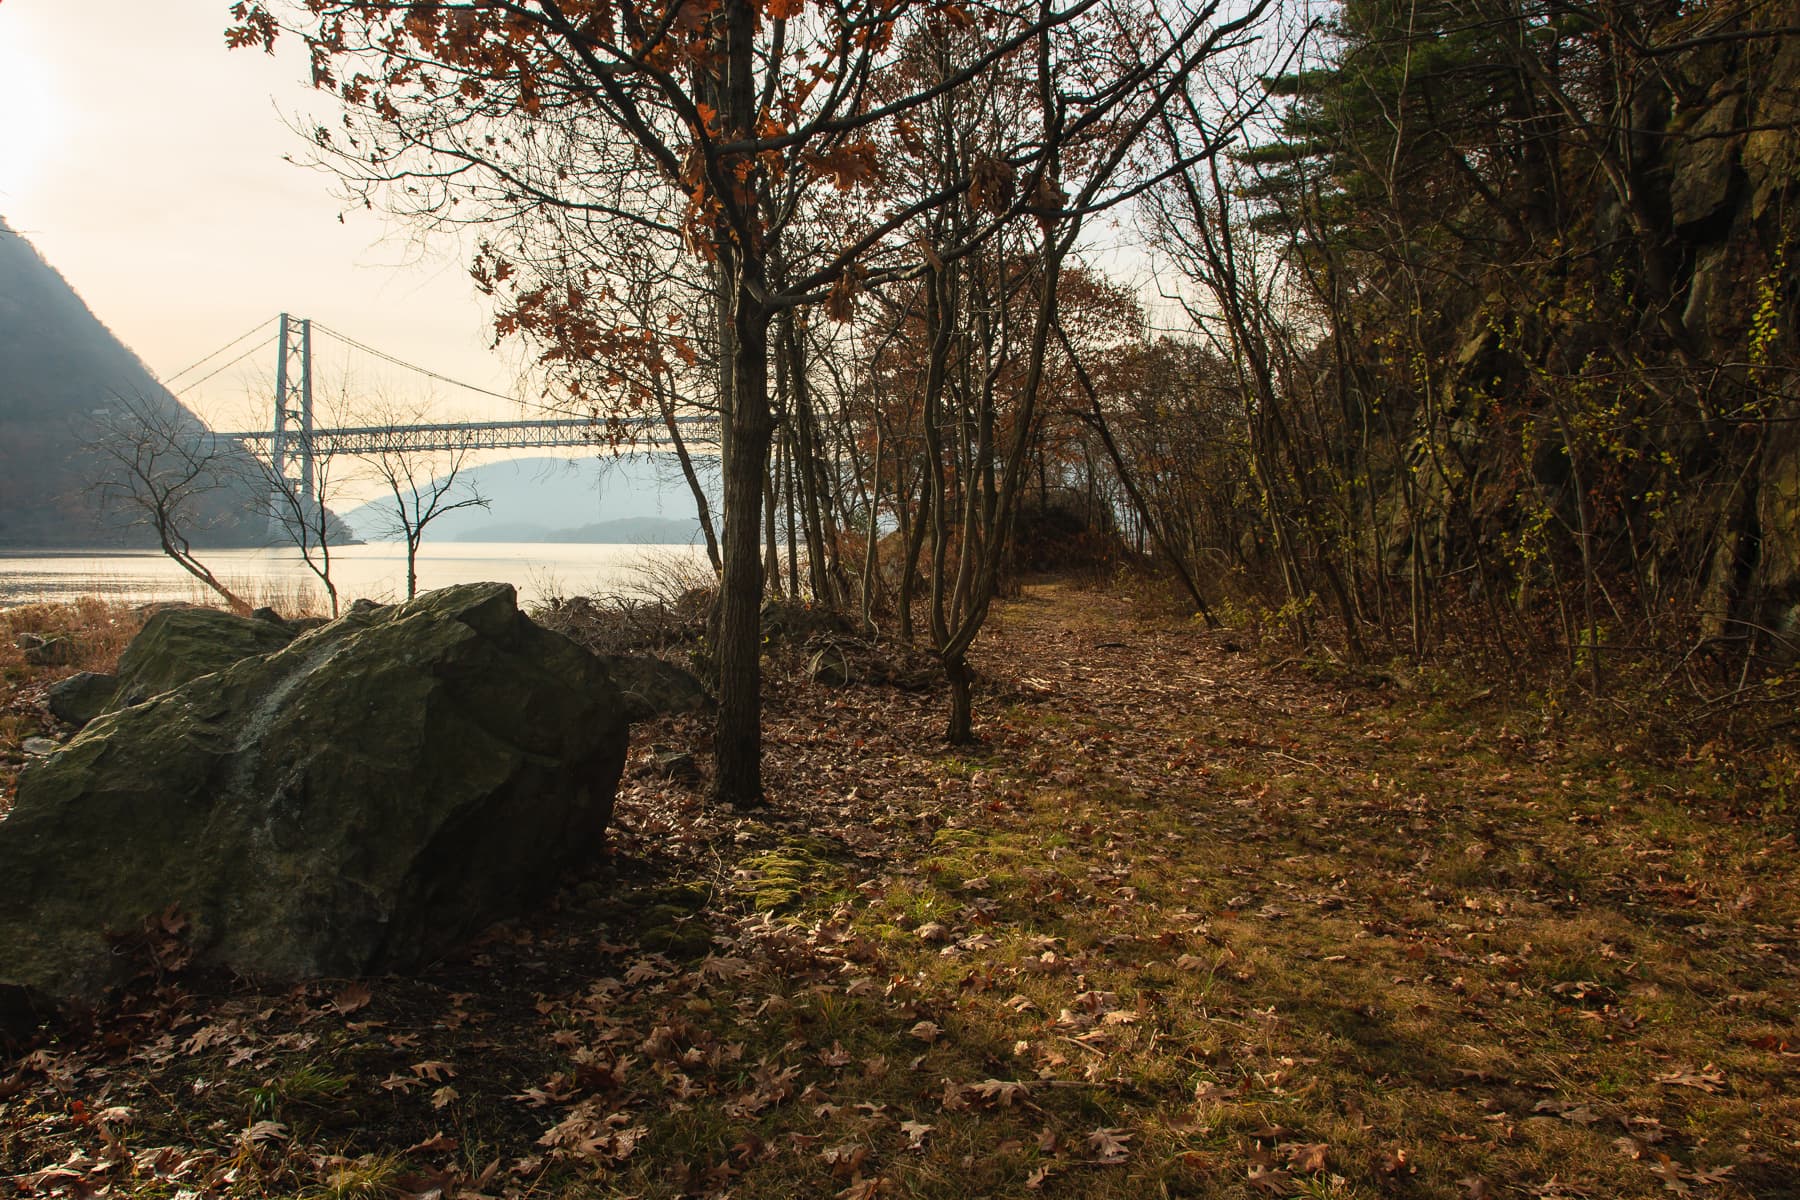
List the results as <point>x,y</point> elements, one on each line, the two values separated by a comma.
<point>456,435</point>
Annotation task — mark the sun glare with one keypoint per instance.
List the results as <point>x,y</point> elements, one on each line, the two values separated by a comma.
<point>31,114</point>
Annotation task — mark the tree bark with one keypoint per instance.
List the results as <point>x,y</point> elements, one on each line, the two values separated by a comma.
<point>738,737</point>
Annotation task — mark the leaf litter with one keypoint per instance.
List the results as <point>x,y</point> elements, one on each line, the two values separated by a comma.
<point>1183,923</point>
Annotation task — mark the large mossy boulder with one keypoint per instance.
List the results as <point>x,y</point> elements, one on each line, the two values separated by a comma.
<point>359,801</point>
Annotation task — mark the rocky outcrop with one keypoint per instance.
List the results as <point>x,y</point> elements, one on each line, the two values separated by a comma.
<point>358,801</point>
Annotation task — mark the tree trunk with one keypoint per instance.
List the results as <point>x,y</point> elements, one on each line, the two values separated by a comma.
<point>771,538</point>
<point>871,548</point>
<point>961,729</point>
<point>701,507</point>
<point>738,739</point>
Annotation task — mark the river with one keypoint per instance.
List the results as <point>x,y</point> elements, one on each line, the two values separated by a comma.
<point>375,570</point>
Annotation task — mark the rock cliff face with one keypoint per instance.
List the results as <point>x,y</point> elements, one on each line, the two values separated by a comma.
<point>1734,171</point>
<point>1668,326</point>
<point>357,801</point>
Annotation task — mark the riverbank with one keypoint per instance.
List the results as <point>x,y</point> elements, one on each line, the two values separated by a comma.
<point>1186,924</point>
<point>371,570</point>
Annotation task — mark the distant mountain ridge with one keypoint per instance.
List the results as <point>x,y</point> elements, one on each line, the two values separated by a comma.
<point>59,365</point>
<point>628,531</point>
<point>541,499</point>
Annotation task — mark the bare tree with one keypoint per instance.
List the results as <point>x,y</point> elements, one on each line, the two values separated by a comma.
<point>423,487</point>
<point>306,520</point>
<point>162,467</point>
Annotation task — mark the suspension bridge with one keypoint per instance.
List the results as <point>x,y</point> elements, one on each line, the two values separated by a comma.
<point>293,443</point>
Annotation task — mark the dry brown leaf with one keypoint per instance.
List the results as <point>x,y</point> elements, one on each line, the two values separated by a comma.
<point>1276,1183</point>
<point>1706,1079</point>
<point>352,998</point>
<point>1306,1156</point>
<point>1108,1146</point>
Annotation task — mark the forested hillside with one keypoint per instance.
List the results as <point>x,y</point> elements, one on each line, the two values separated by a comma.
<point>59,366</point>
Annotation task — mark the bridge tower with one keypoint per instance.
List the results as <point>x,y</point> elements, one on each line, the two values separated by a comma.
<point>291,442</point>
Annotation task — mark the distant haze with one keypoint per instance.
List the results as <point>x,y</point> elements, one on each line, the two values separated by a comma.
<point>558,500</point>
<point>146,162</point>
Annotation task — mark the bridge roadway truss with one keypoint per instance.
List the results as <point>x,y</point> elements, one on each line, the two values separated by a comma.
<point>451,435</point>
<point>292,444</point>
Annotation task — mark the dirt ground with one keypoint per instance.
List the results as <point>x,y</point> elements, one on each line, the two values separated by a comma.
<point>1186,923</point>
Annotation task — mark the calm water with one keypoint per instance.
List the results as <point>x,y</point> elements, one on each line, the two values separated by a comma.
<point>376,571</point>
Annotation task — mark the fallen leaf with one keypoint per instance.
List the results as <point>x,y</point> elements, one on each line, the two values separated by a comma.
<point>1706,1079</point>
<point>1670,1171</point>
<point>1306,1156</point>
<point>352,999</point>
<point>1003,1091</point>
<point>861,1189</point>
<point>263,1131</point>
<point>1276,1183</point>
<point>1108,1145</point>
<point>915,1134</point>
<point>444,1097</point>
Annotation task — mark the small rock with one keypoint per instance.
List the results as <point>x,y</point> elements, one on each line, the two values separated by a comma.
<point>40,746</point>
<point>677,765</point>
<point>81,697</point>
<point>41,651</point>
<point>831,667</point>
<point>654,688</point>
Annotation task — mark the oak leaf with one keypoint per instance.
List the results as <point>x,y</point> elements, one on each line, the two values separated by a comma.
<point>1108,1145</point>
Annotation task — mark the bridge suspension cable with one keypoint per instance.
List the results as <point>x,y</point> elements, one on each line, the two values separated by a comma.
<point>400,362</point>
<point>222,349</point>
<point>258,348</point>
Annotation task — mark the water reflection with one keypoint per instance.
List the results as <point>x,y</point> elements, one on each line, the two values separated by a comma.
<point>376,571</point>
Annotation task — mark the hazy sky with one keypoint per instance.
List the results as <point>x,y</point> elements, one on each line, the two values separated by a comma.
<point>145,162</point>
